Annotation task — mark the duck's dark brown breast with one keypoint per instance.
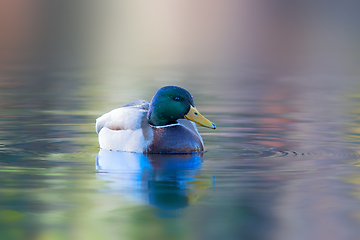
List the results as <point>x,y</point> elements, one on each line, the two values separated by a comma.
<point>174,139</point>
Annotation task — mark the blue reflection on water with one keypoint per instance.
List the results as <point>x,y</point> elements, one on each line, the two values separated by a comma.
<point>167,182</point>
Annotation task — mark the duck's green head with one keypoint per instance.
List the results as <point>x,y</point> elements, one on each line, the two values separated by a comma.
<point>171,103</point>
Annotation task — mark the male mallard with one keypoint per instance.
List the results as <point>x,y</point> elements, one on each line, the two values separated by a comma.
<point>159,127</point>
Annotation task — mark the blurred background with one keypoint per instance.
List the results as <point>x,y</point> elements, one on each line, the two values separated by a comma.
<point>279,78</point>
<point>285,37</point>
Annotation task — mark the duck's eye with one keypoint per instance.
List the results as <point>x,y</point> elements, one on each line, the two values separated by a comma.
<point>177,99</point>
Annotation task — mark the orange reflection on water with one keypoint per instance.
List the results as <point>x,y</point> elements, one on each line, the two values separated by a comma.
<point>277,101</point>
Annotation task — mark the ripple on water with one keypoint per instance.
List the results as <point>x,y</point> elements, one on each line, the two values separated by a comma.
<point>330,154</point>
<point>316,153</point>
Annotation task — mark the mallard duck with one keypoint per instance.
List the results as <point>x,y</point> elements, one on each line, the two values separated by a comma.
<point>165,125</point>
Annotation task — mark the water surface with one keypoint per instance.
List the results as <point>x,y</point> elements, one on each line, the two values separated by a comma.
<point>282,164</point>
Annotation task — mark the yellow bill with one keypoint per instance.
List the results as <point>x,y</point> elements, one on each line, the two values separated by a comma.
<point>195,116</point>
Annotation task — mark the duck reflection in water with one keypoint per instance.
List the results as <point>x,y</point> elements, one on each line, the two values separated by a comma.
<point>168,182</point>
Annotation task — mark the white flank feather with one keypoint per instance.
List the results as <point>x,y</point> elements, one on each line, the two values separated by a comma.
<point>122,129</point>
<point>121,118</point>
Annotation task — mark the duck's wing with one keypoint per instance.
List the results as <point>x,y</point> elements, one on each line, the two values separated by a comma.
<point>129,117</point>
<point>141,104</point>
